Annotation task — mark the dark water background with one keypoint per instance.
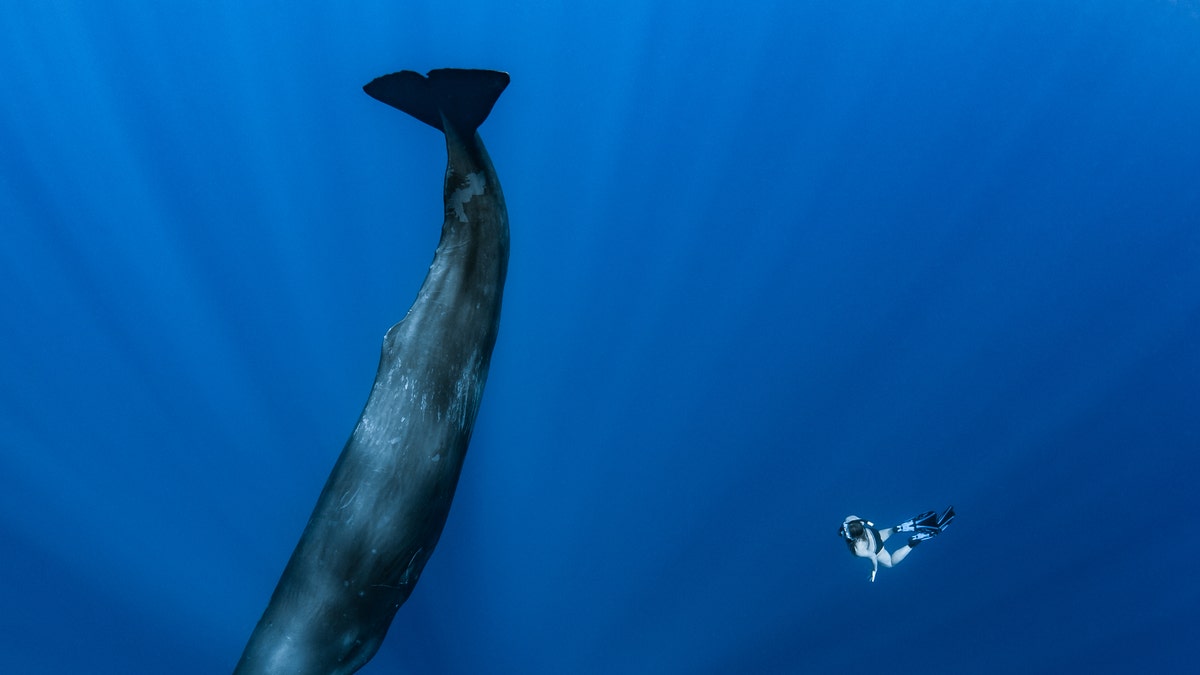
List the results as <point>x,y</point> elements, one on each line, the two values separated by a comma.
<point>772,264</point>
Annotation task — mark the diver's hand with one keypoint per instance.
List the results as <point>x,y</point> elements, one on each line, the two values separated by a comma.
<point>873,575</point>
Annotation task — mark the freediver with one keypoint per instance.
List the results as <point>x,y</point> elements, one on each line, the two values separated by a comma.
<point>865,541</point>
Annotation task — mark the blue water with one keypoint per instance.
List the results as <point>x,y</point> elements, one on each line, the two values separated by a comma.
<point>771,265</point>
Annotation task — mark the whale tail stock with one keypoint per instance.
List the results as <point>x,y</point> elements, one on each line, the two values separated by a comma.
<point>463,97</point>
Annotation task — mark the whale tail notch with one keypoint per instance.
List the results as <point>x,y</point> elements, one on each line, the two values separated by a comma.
<point>463,97</point>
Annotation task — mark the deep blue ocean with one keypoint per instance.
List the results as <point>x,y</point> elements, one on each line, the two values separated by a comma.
<point>773,263</point>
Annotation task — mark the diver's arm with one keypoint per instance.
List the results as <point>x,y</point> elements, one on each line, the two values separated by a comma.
<point>874,567</point>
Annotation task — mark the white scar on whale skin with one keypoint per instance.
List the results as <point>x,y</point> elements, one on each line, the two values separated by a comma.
<point>462,195</point>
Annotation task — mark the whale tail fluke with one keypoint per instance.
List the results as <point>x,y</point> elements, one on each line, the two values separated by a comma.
<point>463,97</point>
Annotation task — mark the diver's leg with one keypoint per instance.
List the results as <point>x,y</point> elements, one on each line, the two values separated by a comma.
<point>892,559</point>
<point>884,534</point>
<point>902,553</point>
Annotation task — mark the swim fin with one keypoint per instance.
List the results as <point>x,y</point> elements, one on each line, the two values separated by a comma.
<point>945,519</point>
<point>922,535</point>
<point>927,525</point>
<point>925,521</point>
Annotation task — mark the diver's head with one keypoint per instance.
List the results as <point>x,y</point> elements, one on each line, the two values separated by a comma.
<point>852,528</point>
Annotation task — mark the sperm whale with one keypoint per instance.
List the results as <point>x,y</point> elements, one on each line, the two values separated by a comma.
<point>385,503</point>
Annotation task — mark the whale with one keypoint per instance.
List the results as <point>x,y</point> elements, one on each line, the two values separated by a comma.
<point>385,503</point>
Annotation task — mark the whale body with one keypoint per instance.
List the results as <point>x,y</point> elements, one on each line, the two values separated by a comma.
<point>383,508</point>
